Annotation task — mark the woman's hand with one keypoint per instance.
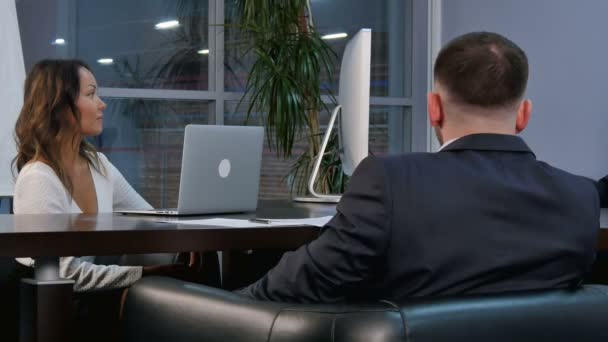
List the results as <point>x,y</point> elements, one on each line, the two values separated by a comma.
<point>190,266</point>
<point>192,259</point>
<point>168,270</point>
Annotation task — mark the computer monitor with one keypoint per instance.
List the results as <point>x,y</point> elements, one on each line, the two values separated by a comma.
<point>353,106</point>
<point>353,97</point>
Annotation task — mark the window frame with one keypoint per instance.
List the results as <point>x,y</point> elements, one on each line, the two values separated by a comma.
<point>217,95</point>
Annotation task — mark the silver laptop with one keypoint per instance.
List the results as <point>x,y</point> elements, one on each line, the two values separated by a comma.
<point>220,171</point>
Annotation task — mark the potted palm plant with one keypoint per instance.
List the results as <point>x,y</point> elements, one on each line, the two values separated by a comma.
<point>284,84</point>
<point>284,81</point>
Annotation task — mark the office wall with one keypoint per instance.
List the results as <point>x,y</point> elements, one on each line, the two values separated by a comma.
<point>12,75</point>
<point>568,52</point>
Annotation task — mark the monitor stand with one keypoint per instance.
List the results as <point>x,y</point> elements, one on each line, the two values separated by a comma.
<point>316,197</point>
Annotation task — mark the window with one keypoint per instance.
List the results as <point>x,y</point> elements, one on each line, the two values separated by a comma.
<point>121,40</point>
<point>162,64</point>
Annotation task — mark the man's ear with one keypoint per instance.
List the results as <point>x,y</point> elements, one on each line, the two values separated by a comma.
<point>435,109</point>
<point>523,115</point>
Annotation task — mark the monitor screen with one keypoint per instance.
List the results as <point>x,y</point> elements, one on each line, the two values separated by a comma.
<point>354,98</point>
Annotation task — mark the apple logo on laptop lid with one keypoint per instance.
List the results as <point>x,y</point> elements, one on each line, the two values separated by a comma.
<point>224,168</point>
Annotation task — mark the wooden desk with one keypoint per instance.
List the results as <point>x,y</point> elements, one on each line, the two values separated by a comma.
<point>602,241</point>
<point>49,236</point>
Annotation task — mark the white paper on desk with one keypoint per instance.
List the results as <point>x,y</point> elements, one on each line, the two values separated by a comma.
<point>236,223</point>
<point>313,221</point>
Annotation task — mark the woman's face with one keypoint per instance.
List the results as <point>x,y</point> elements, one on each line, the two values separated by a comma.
<point>89,104</point>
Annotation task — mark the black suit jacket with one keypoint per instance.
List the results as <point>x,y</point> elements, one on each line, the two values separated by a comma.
<point>482,215</point>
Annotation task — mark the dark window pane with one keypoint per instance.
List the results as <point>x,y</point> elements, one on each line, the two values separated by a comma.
<point>238,60</point>
<point>391,24</point>
<point>389,130</point>
<point>124,32</point>
<point>144,139</point>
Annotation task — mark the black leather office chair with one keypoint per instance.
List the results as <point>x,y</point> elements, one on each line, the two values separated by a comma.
<point>162,309</point>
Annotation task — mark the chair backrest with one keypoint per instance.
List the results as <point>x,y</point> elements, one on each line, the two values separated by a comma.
<point>556,315</point>
<point>162,309</point>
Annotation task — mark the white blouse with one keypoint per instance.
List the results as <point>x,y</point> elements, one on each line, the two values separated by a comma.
<point>38,190</point>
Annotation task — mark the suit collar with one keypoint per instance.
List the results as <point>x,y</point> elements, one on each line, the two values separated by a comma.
<point>489,142</point>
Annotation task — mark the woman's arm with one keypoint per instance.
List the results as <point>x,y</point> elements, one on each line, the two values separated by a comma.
<point>91,277</point>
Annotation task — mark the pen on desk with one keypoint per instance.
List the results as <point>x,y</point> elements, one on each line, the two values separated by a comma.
<point>259,220</point>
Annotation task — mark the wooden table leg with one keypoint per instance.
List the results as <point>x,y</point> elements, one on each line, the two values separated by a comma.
<point>225,269</point>
<point>46,305</point>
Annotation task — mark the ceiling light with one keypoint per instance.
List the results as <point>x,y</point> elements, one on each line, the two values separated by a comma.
<point>105,61</point>
<point>59,41</point>
<point>203,52</point>
<point>167,25</point>
<point>335,36</point>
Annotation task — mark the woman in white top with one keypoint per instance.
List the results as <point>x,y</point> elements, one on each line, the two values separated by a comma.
<point>60,172</point>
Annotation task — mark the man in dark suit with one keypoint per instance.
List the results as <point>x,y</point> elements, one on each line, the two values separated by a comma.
<point>480,216</point>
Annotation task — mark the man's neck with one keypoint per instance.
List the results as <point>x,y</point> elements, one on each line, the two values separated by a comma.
<point>453,134</point>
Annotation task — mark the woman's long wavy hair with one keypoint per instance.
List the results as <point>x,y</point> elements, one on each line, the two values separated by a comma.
<point>50,118</point>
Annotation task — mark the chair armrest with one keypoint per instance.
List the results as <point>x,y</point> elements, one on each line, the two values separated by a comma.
<point>165,309</point>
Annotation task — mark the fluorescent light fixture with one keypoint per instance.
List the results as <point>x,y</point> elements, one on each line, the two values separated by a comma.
<point>203,52</point>
<point>105,61</point>
<point>335,36</point>
<point>167,25</point>
<point>59,41</point>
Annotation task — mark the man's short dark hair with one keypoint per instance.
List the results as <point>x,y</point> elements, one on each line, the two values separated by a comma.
<point>483,69</point>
